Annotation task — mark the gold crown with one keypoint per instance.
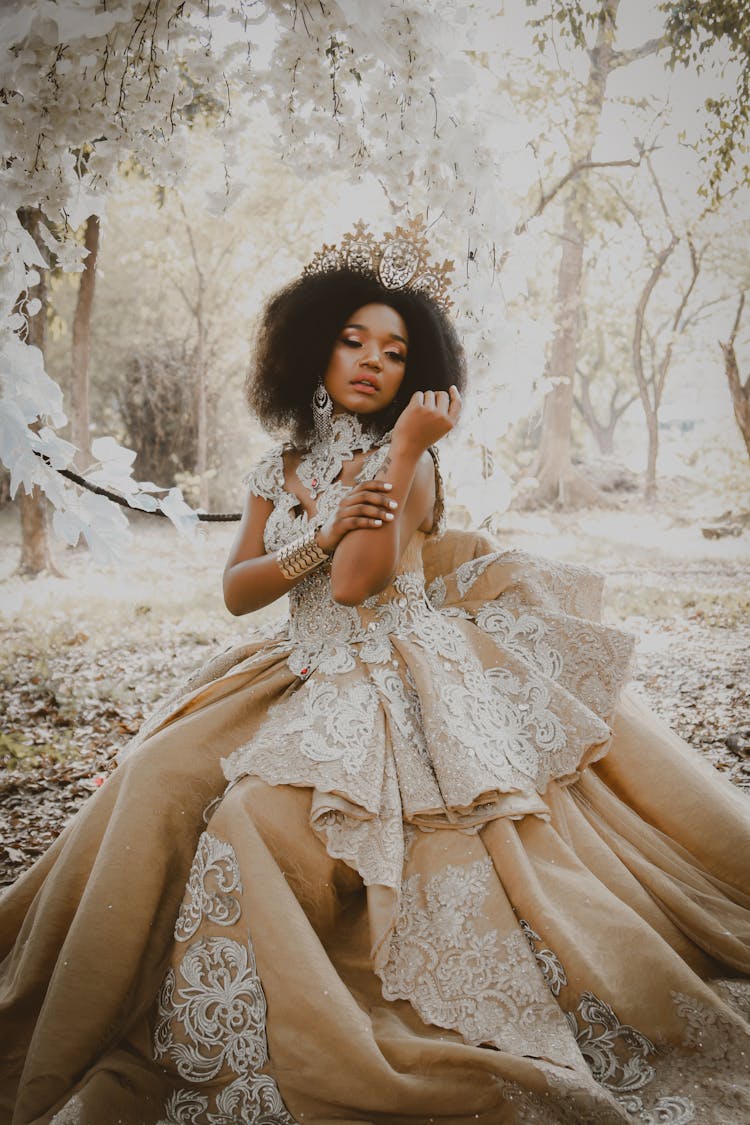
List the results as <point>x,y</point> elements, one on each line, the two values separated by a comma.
<point>399,261</point>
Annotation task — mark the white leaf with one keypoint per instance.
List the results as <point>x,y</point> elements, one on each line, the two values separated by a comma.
<point>116,457</point>
<point>183,517</point>
<point>68,526</point>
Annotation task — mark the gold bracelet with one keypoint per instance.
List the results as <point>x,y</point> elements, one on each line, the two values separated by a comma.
<point>301,555</point>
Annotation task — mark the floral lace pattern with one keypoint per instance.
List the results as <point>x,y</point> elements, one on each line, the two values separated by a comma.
<point>214,876</point>
<point>550,964</point>
<point>211,1019</point>
<point>641,1075</point>
<point>72,1113</point>
<point>459,974</point>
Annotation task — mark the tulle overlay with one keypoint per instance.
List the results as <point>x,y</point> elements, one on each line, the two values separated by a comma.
<point>417,860</point>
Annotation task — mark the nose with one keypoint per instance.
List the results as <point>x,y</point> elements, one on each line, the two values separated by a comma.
<point>371,356</point>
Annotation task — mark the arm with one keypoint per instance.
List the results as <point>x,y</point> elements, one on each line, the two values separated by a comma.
<point>253,578</point>
<point>364,562</point>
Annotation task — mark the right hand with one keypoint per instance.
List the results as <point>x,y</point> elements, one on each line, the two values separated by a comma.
<point>368,504</point>
<point>427,417</point>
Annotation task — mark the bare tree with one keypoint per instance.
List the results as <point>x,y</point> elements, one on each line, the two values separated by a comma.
<point>35,550</point>
<point>603,431</point>
<point>558,481</point>
<point>80,414</point>
<point>651,372</point>
<point>740,391</point>
<point>199,303</point>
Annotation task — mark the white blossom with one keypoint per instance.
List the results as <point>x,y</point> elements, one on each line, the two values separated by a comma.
<point>383,91</point>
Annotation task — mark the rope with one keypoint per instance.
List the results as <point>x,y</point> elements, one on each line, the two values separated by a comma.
<point>206,517</point>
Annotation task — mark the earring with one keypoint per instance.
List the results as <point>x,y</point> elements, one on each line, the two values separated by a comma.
<point>322,410</point>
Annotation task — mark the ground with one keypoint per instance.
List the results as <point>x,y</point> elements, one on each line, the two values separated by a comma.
<point>86,656</point>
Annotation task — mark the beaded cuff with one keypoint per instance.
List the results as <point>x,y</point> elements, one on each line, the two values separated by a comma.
<point>301,555</point>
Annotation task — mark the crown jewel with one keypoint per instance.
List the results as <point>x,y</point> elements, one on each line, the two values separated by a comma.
<point>399,261</point>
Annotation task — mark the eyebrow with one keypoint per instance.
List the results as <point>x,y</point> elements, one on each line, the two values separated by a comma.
<point>392,335</point>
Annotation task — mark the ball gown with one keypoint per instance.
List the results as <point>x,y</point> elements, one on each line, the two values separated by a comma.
<point>425,859</point>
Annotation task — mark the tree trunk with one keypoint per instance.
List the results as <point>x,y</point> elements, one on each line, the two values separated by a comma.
<point>740,391</point>
<point>604,432</point>
<point>35,549</point>
<point>201,391</point>
<point>558,482</point>
<point>652,425</point>
<point>80,431</point>
<point>605,437</point>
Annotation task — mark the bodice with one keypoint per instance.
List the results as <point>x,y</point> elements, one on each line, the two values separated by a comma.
<point>325,634</point>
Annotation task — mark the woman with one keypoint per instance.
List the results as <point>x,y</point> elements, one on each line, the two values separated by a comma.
<point>407,856</point>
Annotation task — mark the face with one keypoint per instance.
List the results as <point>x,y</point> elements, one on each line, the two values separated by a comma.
<point>368,361</point>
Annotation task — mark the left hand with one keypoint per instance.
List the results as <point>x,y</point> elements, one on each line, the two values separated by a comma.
<point>428,416</point>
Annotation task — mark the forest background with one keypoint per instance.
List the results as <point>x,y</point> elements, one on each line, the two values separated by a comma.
<point>594,155</point>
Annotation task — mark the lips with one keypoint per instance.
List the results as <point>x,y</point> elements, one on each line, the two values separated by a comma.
<point>365,386</point>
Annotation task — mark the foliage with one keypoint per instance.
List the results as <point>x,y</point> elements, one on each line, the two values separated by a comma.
<point>383,91</point>
<point>698,30</point>
<point>158,410</point>
<point>698,34</point>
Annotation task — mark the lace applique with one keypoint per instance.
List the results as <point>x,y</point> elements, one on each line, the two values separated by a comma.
<point>615,1052</point>
<point>569,1104</point>
<point>735,993</point>
<point>439,517</point>
<point>282,526</point>
<point>220,1009</point>
<point>72,1113</point>
<point>266,479</point>
<point>372,845</point>
<point>372,464</point>
<point>436,592</point>
<point>711,1061</point>
<point>323,722</point>
<point>211,1017</point>
<point>569,587</point>
<point>468,572</point>
<point>523,633</point>
<point>417,782</point>
<point>324,460</point>
<point>324,634</point>
<point>550,964</point>
<point>618,1057</point>
<point>213,877</point>
<point>460,975</point>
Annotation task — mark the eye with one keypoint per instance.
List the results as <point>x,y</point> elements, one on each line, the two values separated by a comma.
<point>397,357</point>
<point>350,343</point>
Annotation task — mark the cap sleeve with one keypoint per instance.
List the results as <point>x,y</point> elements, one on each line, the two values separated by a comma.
<point>266,479</point>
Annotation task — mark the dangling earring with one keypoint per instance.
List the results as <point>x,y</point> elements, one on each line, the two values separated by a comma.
<point>322,411</point>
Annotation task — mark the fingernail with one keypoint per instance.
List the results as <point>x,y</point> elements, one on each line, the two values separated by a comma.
<point>389,515</point>
<point>388,486</point>
<point>377,522</point>
<point>393,503</point>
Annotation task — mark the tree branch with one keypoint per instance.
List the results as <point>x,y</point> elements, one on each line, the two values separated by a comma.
<point>737,319</point>
<point>649,47</point>
<point>573,171</point>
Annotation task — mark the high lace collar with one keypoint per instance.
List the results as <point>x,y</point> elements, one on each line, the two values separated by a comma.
<point>322,463</point>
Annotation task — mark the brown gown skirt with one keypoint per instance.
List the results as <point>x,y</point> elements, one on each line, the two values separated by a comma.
<point>193,952</point>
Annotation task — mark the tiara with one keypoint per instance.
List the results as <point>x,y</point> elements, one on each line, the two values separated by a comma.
<point>399,261</point>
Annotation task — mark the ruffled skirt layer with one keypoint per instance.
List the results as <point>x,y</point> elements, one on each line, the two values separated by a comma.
<point>585,960</point>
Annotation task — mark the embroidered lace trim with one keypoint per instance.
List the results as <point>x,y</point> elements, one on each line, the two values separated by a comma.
<point>459,973</point>
<point>211,1019</point>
